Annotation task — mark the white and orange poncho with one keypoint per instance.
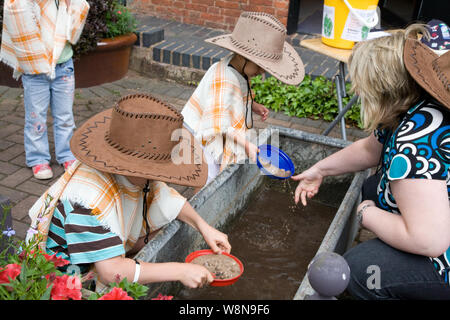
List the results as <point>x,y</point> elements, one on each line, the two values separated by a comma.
<point>216,106</point>
<point>35,33</point>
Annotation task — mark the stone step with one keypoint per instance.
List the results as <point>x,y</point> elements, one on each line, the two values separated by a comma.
<point>182,45</point>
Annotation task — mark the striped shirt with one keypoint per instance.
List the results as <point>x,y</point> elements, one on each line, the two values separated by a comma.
<point>77,236</point>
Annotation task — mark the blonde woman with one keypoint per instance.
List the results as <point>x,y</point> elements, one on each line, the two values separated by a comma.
<point>406,204</point>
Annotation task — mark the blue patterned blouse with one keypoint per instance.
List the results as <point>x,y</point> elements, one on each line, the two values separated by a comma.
<point>418,149</point>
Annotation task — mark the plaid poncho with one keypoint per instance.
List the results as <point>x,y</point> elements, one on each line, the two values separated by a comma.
<point>216,106</point>
<point>35,33</point>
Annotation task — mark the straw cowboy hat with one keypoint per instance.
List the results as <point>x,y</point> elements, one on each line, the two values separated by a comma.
<point>428,62</point>
<point>134,139</point>
<point>260,37</point>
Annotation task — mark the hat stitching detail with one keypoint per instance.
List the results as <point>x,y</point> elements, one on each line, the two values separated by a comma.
<point>441,75</point>
<point>147,115</point>
<point>83,142</point>
<point>254,51</point>
<point>419,73</point>
<point>134,153</point>
<point>255,16</point>
<point>293,74</point>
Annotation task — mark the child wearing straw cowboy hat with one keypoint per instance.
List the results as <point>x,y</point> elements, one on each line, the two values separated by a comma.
<point>111,200</point>
<point>404,87</point>
<point>219,112</point>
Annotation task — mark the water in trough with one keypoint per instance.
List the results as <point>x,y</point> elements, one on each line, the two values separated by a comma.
<point>275,240</point>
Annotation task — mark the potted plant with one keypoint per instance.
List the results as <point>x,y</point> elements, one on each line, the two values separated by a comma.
<point>6,73</point>
<point>103,50</point>
<point>102,54</point>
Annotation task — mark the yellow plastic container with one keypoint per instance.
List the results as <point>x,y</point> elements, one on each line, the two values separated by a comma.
<point>336,17</point>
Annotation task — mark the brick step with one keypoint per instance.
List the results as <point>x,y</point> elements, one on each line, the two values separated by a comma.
<point>180,44</point>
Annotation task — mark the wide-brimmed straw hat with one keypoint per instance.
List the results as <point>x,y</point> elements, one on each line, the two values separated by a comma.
<point>261,38</point>
<point>134,138</point>
<point>428,62</point>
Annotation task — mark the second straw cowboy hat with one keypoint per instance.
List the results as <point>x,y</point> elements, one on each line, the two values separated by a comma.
<point>261,38</point>
<point>429,63</point>
<point>135,139</point>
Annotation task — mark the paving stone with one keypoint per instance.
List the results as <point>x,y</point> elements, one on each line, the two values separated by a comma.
<point>14,195</point>
<point>20,228</point>
<point>20,210</point>
<point>277,122</point>
<point>9,129</point>
<point>17,177</point>
<point>5,144</point>
<point>15,138</point>
<point>11,152</point>
<point>8,168</point>
<point>19,160</point>
<point>31,187</point>
<point>101,91</point>
<point>14,119</point>
<point>13,94</point>
<point>3,89</point>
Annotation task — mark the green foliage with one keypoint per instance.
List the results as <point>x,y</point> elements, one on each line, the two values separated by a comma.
<point>119,21</point>
<point>313,98</point>
<point>133,289</point>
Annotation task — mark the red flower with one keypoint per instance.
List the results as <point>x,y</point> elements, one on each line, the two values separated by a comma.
<point>10,271</point>
<point>162,297</point>
<point>57,261</point>
<point>66,287</point>
<point>119,12</point>
<point>116,294</point>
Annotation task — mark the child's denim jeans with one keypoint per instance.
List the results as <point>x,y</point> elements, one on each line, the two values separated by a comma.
<point>39,93</point>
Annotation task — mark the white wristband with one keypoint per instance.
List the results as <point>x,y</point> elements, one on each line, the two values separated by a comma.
<point>137,271</point>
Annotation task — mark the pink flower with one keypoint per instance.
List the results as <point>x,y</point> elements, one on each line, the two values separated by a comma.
<point>119,12</point>
<point>57,261</point>
<point>116,294</point>
<point>10,271</point>
<point>162,297</point>
<point>66,287</point>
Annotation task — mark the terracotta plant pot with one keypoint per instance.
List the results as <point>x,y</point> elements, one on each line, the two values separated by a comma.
<point>6,78</point>
<point>108,63</point>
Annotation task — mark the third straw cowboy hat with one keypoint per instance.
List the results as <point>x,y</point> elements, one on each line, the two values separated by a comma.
<point>261,38</point>
<point>428,61</point>
<point>135,139</point>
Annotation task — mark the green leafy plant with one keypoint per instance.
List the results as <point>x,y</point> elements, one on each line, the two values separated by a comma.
<point>119,21</point>
<point>106,19</point>
<point>28,273</point>
<point>314,98</point>
<point>95,27</point>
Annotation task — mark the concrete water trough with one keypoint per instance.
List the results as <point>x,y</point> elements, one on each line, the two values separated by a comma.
<point>222,201</point>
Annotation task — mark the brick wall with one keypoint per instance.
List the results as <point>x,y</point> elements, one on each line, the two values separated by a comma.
<point>218,14</point>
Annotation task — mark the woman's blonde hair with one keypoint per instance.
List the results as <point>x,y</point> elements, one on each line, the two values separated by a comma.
<point>381,80</point>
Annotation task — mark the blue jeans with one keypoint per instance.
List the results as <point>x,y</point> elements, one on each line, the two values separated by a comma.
<point>40,92</point>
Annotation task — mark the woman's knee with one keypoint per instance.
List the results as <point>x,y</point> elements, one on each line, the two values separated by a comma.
<point>365,280</point>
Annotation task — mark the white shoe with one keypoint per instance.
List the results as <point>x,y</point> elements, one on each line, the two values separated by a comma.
<point>42,171</point>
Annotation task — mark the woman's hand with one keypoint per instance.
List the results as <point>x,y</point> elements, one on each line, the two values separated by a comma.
<point>260,110</point>
<point>310,181</point>
<point>216,240</point>
<point>194,275</point>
